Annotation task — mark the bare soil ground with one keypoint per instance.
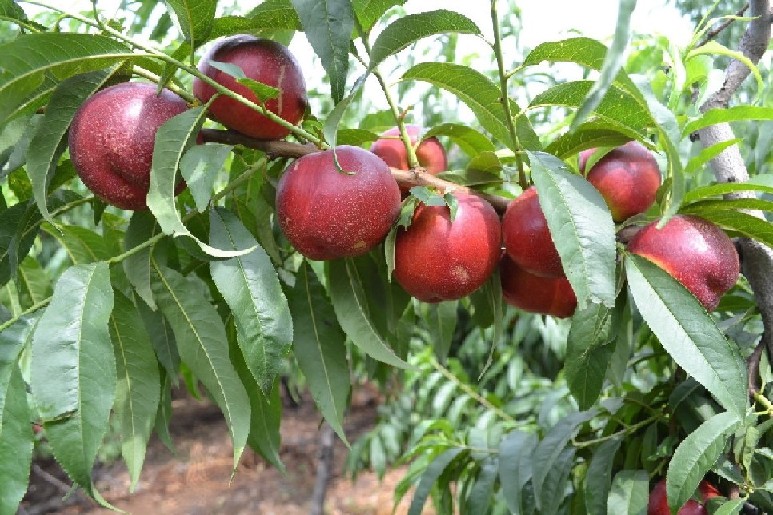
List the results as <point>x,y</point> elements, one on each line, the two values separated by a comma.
<point>196,480</point>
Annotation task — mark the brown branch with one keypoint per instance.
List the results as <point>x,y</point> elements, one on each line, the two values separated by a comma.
<point>405,178</point>
<point>717,30</point>
<point>729,165</point>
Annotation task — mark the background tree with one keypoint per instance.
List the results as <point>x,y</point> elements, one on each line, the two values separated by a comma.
<point>105,308</point>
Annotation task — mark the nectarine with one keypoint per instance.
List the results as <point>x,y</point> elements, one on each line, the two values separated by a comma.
<point>430,153</point>
<point>329,214</point>
<point>112,137</point>
<point>262,60</point>
<point>529,292</point>
<point>628,178</point>
<point>437,259</point>
<point>695,252</point>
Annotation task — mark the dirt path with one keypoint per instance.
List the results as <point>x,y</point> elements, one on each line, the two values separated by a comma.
<point>196,481</point>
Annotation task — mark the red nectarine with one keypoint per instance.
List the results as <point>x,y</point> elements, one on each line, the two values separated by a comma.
<point>262,60</point>
<point>527,237</point>
<point>437,259</point>
<point>329,214</point>
<point>628,178</point>
<point>695,252</point>
<point>529,292</point>
<point>112,137</point>
<point>430,153</point>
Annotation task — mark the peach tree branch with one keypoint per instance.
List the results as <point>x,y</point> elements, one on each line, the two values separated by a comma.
<point>729,166</point>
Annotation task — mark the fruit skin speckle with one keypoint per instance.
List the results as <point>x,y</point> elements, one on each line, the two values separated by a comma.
<point>695,252</point>
<point>436,259</point>
<point>327,214</point>
<point>112,137</point>
<point>265,61</point>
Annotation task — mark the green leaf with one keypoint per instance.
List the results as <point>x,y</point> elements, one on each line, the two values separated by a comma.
<point>200,166</point>
<point>598,479</point>
<point>581,227</point>
<point>164,414</point>
<point>162,339</point>
<point>172,140</point>
<point>262,91</point>
<point>320,348</point>
<point>203,346</point>
<point>613,63</point>
<point>409,29</point>
<point>581,50</point>
<point>72,371</point>
<point>142,227</point>
<point>479,500</point>
<point>441,322</point>
<point>18,229</point>
<point>556,480</point>
<point>715,48</point>
<point>265,410</point>
<point>48,142</point>
<point>195,18</point>
<point>732,507</point>
<point>587,135</point>
<point>629,493</point>
<point>328,25</point>
<point>762,183</point>
<point>727,115</point>
<point>548,453</point>
<point>137,392</point>
<point>268,16</point>
<point>16,440</point>
<point>470,141</point>
<point>688,333</point>
<point>588,353</point>
<point>428,479</point>
<point>351,309</point>
<point>33,63</point>
<point>515,467</point>
<point>697,162</point>
<point>250,286</point>
<point>619,106</point>
<point>697,454</point>
<point>81,245</point>
<point>369,11</point>
<point>473,88</point>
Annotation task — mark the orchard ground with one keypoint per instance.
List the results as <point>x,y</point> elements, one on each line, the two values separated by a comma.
<point>195,481</point>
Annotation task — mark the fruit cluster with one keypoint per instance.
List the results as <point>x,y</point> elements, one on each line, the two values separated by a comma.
<point>343,202</point>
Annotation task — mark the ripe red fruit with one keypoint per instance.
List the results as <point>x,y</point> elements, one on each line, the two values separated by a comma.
<point>529,292</point>
<point>430,153</point>
<point>328,214</point>
<point>112,138</point>
<point>262,60</point>
<point>695,252</point>
<point>658,502</point>
<point>628,178</point>
<point>436,259</point>
<point>527,238</point>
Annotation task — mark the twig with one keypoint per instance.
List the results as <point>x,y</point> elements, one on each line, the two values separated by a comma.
<point>60,485</point>
<point>324,467</point>
<point>405,178</point>
<point>717,30</point>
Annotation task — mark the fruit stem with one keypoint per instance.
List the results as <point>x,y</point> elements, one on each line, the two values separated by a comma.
<point>504,98</point>
<point>413,161</point>
<point>623,432</point>
<point>469,391</point>
<point>192,70</point>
